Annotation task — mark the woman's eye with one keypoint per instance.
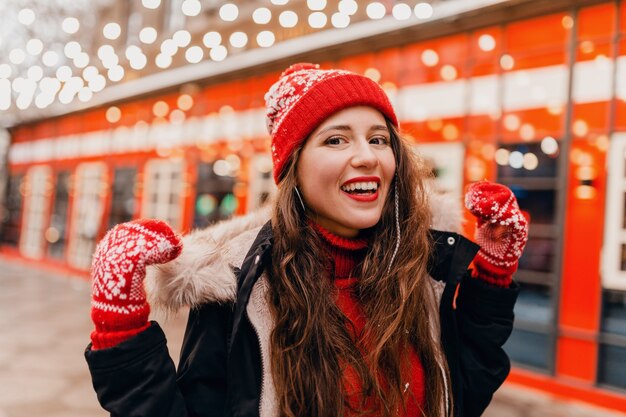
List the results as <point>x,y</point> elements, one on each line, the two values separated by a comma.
<point>379,140</point>
<point>334,140</point>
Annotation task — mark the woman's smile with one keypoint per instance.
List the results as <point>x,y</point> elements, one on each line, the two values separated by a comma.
<point>364,189</point>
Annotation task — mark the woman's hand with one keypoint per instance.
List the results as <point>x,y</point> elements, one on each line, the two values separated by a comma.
<point>119,308</point>
<point>502,231</point>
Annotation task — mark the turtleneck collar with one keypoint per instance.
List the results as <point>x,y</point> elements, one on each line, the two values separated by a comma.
<point>345,252</point>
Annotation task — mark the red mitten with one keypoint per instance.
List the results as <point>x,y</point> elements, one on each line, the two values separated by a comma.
<point>502,231</point>
<point>119,308</point>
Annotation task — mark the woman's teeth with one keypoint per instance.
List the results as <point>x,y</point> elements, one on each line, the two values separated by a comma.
<point>360,187</point>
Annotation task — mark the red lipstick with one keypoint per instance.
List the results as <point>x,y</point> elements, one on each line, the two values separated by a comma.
<point>363,198</point>
<point>362,179</point>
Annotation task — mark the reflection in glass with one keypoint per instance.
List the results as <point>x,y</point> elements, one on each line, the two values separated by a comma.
<point>538,255</point>
<point>214,195</point>
<point>87,209</point>
<point>611,365</point>
<point>531,170</point>
<point>545,166</point>
<point>614,312</point>
<point>123,196</point>
<point>540,204</point>
<point>534,312</point>
<point>11,212</point>
<point>55,234</point>
<point>528,348</point>
<point>36,213</point>
<point>534,304</point>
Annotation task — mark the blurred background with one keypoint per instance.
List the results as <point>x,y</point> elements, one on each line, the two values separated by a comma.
<point>112,110</point>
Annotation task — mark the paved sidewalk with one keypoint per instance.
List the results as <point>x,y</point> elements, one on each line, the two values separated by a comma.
<point>44,328</point>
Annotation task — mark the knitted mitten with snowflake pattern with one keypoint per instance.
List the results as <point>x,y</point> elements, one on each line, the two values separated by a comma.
<point>119,308</point>
<point>502,231</point>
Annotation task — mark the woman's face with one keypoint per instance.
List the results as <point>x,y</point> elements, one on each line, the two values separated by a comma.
<point>345,170</point>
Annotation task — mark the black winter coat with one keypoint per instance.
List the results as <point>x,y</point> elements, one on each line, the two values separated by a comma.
<point>220,372</point>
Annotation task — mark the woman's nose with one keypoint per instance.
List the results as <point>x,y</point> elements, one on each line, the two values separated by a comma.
<point>364,155</point>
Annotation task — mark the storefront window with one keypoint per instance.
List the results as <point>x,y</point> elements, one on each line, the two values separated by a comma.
<point>38,189</point>
<point>528,160</point>
<point>534,305</point>
<point>611,367</point>
<point>614,250</point>
<point>90,192</point>
<point>162,191</point>
<point>446,162</point>
<point>614,312</point>
<point>530,169</point>
<point>529,348</point>
<point>12,211</point>
<point>123,198</point>
<point>215,200</point>
<point>261,186</point>
<point>56,232</point>
<point>612,354</point>
<point>534,318</point>
<point>538,255</point>
<point>538,203</point>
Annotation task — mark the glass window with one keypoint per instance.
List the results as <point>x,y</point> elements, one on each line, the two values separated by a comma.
<point>163,188</point>
<point>613,322</point>
<point>538,255</point>
<point>90,192</point>
<point>261,186</point>
<point>123,198</point>
<point>214,191</point>
<point>528,348</point>
<point>614,247</point>
<point>534,306</point>
<point>530,169</point>
<point>12,211</point>
<point>530,160</point>
<point>614,312</point>
<point>56,232</point>
<point>446,160</point>
<point>611,368</point>
<point>540,204</point>
<point>38,190</point>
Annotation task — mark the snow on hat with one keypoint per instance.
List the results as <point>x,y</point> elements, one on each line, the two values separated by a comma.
<point>305,95</point>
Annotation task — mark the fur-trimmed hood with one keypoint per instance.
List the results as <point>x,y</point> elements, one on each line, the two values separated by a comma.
<point>203,271</point>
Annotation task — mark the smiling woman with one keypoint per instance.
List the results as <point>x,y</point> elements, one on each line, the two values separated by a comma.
<point>344,303</point>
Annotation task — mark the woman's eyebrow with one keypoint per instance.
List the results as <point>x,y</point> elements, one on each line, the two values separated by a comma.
<point>335,127</point>
<point>347,128</point>
<point>379,127</point>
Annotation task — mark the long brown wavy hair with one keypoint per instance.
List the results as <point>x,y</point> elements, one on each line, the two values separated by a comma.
<point>311,346</point>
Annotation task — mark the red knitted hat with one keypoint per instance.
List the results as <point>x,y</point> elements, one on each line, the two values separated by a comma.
<point>305,96</point>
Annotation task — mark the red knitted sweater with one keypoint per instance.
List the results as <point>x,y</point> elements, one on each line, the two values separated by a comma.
<point>346,254</point>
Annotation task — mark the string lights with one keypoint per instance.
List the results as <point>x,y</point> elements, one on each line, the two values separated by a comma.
<point>65,66</point>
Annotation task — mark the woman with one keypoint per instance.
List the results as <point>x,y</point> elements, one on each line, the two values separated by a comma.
<point>344,304</point>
